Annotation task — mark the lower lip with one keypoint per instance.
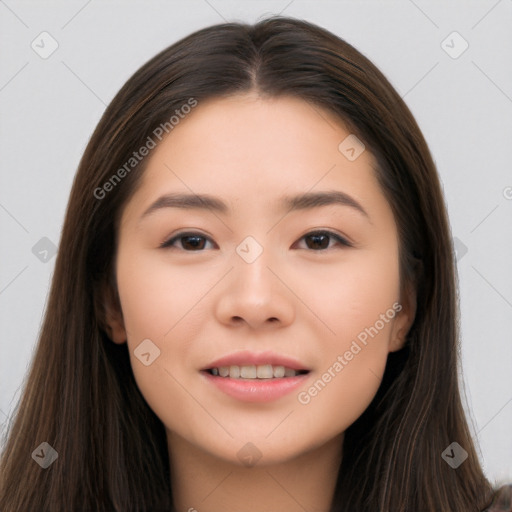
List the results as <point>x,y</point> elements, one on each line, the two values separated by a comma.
<point>256,390</point>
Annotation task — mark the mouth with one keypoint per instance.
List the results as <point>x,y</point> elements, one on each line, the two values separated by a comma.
<point>256,376</point>
<point>255,372</point>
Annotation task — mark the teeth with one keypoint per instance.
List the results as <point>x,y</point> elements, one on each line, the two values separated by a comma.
<point>263,371</point>
<point>279,371</point>
<point>289,373</point>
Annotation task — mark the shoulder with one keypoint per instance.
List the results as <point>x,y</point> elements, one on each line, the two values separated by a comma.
<point>502,501</point>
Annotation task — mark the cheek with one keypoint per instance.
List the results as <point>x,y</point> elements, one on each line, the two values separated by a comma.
<point>359,303</point>
<point>336,399</point>
<point>351,296</point>
<point>155,296</point>
<point>160,304</point>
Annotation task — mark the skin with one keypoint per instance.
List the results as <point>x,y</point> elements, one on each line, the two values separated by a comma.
<point>302,302</point>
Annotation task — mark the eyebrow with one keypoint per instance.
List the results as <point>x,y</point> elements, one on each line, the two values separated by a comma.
<point>304,201</point>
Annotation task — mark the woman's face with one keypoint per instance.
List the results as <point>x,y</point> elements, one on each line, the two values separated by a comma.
<point>253,278</point>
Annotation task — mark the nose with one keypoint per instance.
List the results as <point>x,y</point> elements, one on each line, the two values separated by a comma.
<point>253,294</point>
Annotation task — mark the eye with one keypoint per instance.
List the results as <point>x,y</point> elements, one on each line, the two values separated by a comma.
<point>319,240</point>
<point>195,241</point>
<point>316,240</point>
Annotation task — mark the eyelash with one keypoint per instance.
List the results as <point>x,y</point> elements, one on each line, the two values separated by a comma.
<point>342,241</point>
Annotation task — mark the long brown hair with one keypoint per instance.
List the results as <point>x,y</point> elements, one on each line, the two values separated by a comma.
<point>80,395</point>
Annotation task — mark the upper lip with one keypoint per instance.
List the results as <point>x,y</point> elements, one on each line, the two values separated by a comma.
<point>247,358</point>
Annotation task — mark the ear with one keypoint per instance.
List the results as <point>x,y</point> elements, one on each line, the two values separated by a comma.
<point>403,319</point>
<point>111,316</point>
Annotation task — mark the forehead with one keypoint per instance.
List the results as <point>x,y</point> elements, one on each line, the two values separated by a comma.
<point>251,151</point>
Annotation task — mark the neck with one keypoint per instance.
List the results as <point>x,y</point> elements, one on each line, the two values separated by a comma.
<point>204,483</point>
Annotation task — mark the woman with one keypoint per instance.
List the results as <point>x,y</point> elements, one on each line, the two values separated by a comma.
<point>254,301</point>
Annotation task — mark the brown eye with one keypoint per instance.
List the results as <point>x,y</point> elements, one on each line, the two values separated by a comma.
<point>320,240</point>
<point>189,241</point>
<point>192,242</point>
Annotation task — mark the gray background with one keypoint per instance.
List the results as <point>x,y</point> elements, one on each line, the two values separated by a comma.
<point>462,102</point>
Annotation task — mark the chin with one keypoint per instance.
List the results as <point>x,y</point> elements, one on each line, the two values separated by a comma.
<point>260,449</point>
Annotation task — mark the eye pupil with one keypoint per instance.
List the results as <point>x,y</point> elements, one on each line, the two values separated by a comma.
<point>316,237</point>
<point>196,243</point>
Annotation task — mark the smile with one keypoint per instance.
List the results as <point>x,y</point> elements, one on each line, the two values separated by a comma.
<point>263,371</point>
